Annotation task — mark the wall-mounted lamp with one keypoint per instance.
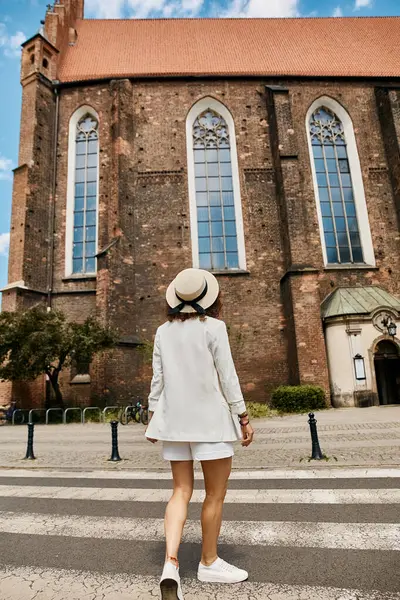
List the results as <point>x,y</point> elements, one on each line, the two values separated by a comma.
<point>390,326</point>
<point>359,367</point>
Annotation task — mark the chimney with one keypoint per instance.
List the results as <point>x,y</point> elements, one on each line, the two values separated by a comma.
<point>73,36</point>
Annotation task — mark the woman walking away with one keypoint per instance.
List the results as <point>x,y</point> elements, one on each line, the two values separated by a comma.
<point>197,410</point>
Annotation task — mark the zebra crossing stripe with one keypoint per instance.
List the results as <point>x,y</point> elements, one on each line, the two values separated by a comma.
<point>237,496</point>
<point>312,473</point>
<point>349,536</point>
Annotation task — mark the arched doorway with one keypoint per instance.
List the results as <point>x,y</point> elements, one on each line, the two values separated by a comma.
<point>387,371</point>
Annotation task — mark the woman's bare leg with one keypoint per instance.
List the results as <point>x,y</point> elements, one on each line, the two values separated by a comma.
<point>176,511</point>
<point>216,475</point>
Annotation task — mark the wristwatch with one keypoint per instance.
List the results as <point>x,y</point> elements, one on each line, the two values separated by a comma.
<point>244,416</point>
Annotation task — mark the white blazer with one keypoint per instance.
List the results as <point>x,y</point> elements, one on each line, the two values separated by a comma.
<point>195,392</point>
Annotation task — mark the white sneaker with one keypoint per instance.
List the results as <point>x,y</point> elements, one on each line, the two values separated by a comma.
<point>170,583</point>
<point>221,572</point>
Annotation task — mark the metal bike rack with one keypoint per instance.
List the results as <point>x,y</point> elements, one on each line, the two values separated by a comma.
<point>90,408</point>
<point>35,410</point>
<point>71,409</point>
<point>109,408</point>
<point>18,410</point>
<point>49,410</point>
<point>127,408</point>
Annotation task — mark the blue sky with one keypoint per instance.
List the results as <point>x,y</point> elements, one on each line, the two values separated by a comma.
<point>19,19</point>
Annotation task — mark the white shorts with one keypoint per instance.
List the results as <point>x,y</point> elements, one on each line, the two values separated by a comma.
<point>197,450</point>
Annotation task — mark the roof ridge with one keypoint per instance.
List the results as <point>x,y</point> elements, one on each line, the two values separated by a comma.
<point>246,19</point>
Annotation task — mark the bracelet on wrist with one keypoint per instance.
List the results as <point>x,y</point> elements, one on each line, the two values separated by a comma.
<point>244,424</point>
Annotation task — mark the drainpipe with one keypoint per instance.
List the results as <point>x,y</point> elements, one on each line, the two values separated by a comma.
<point>50,260</point>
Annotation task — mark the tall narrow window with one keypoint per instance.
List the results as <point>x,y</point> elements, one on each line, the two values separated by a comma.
<point>335,188</point>
<point>85,196</point>
<point>214,188</point>
<point>217,237</point>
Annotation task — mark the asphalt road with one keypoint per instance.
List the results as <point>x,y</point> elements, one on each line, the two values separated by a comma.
<point>300,537</point>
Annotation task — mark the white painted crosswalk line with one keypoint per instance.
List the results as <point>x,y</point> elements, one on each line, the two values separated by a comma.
<point>350,536</point>
<point>71,525</point>
<point>319,473</point>
<point>30,583</point>
<point>234,496</point>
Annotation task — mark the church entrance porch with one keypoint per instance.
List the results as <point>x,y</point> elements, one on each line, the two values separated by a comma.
<point>363,355</point>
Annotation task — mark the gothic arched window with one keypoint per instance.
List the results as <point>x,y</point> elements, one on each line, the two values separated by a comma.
<point>335,188</point>
<point>85,208</point>
<point>217,232</point>
<point>82,204</point>
<point>339,189</point>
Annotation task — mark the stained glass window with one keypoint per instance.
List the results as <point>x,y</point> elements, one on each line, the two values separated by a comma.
<point>335,188</point>
<point>85,194</point>
<point>216,222</point>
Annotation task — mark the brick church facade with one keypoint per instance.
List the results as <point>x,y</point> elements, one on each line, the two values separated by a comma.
<point>265,150</point>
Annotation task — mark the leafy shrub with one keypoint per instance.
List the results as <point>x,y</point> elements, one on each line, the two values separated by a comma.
<point>146,350</point>
<point>298,398</point>
<point>74,417</point>
<point>260,410</point>
<point>93,416</point>
<point>112,415</point>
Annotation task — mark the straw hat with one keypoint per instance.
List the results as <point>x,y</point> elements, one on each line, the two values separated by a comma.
<point>192,290</point>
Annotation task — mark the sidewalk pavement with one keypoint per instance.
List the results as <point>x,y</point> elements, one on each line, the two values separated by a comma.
<point>367,437</point>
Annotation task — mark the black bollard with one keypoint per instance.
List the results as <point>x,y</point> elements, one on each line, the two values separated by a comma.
<point>316,453</point>
<point>114,441</point>
<point>29,449</point>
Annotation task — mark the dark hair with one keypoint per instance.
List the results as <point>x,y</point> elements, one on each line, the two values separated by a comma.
<point>212,311</point>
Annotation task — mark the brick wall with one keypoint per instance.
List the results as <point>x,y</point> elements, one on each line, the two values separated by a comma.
<point>5,392</point>
<point>17,232</point>
<point>274,324</point>
<point>388,104</point>
<point>39,193</point>
<point>32,191</point>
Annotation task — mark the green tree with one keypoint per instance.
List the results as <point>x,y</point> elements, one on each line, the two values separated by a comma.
<point>34,342</point>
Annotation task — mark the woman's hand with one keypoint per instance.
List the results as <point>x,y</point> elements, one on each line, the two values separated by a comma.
<point>247,434</point>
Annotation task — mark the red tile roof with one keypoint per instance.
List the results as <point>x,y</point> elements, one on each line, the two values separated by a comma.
<point>332,47</point>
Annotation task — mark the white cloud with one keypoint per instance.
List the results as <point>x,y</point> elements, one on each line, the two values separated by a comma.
<point>142,9</point>
<point>362,4</point>
<point>192,6</point>
<point>263,8</point>
<point>14,45</point>
<point>11,44</point>
<point>5,167</point>
<point>166,8</point>
<point>4,243</point>
<point>104,9</point>
<point>337,12</point>
<point>170,10</point>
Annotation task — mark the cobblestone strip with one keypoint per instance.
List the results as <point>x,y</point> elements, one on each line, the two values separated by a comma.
<point>333,440</point>
<point>338,427</point>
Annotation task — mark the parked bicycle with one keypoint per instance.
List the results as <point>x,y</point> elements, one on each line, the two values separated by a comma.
<point>135,412</point>
<point>7,412</point>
